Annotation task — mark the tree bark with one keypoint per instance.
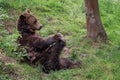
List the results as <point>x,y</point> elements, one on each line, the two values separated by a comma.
<point>95,29</point>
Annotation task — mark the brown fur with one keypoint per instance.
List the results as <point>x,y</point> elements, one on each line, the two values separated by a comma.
<point>45,51</point>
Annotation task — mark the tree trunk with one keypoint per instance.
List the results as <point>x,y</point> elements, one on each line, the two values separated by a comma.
<point>95,29</point>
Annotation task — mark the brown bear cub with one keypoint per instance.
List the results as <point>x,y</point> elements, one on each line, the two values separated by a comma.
<point>44,51</point>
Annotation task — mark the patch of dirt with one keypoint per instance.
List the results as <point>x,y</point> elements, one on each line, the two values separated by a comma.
<point>10,24</point>
<point>16,77</point>
<point>6,59</point>
<point>12,12</point>
<point>11,72</point>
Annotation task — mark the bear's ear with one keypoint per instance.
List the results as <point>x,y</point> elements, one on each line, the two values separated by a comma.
<point>27,11</point>
<point>22,16</point>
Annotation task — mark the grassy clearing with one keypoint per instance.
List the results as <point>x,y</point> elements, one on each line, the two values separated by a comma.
<point>100,61</point>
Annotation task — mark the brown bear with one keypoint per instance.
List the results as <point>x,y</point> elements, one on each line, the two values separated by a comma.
<point>45,51</point>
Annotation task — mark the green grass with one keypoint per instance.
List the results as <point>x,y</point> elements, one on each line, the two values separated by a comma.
<point>100,61</point>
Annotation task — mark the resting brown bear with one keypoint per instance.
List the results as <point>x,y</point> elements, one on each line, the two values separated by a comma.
<point>45,51</point>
